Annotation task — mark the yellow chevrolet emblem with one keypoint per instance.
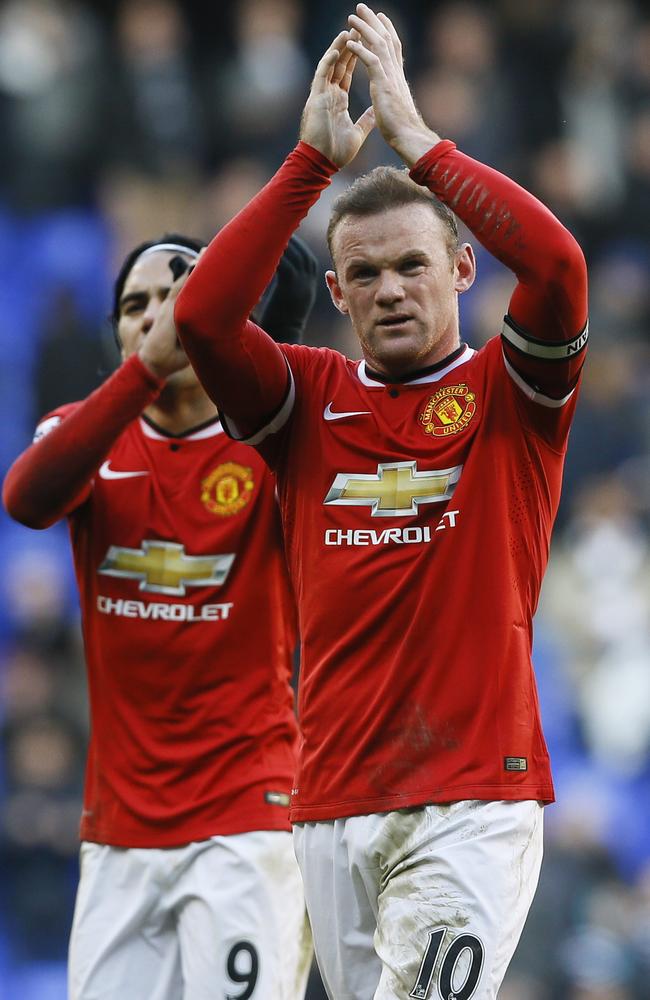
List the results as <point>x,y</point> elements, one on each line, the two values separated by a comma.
<point>163,567</point>
<point>395,490</point>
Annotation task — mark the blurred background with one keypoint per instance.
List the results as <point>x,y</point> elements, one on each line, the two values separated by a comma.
<point>121,120</point>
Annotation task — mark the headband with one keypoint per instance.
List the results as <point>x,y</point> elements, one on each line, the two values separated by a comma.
<point>190,251</point>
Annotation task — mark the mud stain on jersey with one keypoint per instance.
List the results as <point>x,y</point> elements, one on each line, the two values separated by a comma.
<point>414,738</point>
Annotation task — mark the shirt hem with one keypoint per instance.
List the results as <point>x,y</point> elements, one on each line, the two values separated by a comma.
<point>180,838</point>
<point>455,793</point>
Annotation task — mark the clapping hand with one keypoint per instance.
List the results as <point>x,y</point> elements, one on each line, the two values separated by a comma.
<point>326,123</point>
<point>375,42</point>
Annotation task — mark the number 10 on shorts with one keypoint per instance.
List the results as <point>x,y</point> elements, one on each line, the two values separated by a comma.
<point>465,946</point>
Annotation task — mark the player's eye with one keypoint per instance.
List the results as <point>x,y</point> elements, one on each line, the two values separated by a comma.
<point>364,273</point>
<point>412,265</point>
<point>133,307</point>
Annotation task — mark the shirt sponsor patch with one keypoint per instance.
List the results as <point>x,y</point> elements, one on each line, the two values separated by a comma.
<point>396,490</point>
<point>158,611</point>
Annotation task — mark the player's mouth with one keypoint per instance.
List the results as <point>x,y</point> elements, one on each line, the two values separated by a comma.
<point>395,322</point>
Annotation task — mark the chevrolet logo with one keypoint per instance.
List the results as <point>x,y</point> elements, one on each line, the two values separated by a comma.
<point>396,489</point>
<point>163,567</point>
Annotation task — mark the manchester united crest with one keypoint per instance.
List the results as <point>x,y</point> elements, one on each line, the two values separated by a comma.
<point>227,489</point>
<point>449,410</point>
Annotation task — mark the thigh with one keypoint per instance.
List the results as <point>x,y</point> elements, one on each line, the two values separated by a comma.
<point>452,908</point>
<point>242,922</point>
<point>122,945</point>
<point>341,888</point>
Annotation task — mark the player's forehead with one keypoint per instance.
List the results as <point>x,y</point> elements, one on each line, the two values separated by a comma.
<point>387,236</point>
<point>151,270</point>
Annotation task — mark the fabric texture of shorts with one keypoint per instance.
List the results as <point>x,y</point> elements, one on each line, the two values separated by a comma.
<point>425,903</point>
<point>218,918</point>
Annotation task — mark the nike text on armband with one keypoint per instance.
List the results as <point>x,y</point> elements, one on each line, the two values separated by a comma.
<point>543,349</point>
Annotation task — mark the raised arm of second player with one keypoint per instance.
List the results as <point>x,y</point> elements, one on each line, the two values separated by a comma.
<point>241,368</point>
<point>53,476</point>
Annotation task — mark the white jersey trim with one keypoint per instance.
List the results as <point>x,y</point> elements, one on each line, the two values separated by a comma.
<point>206,432</point>
<point>45,427</point>
<point>532,394</point>
<point>365,379</point>
<point>274,425</point>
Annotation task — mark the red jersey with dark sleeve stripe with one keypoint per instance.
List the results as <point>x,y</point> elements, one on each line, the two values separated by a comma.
<point>189,629</point>
<point>417,516</point>
<point>417,521</point>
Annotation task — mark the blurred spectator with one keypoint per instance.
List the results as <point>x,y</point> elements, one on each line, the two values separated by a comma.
<point>51,103</point>
<point>39,832</point>
<point>158,119</point>
<point>158,142</point>
<point>263,86</point>
<point>463,89</point>
<point>71,357</point>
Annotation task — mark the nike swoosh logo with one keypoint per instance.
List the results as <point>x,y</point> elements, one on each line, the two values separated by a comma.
<point>107,473</point>
<point>329,413</point>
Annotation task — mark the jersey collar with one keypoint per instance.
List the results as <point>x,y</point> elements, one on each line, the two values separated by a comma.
<point>207,430</point>
<point>431,374</point>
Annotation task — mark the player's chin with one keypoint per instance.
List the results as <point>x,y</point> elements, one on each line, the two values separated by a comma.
<point>395,351</point>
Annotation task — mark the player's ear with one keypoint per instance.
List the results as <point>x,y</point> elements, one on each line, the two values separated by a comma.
<point>464,268</point>
<point>336,293</point>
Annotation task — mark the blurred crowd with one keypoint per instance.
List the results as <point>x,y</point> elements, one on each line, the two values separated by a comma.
<point>121,120</point>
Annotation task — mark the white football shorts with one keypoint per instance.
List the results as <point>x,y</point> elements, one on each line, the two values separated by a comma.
<point>216,919</point>
<point>425,903</point>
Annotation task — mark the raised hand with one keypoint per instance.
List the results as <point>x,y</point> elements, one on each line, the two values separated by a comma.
<point>375,42</point>
<point>161,351</point>
<point>326,123</point>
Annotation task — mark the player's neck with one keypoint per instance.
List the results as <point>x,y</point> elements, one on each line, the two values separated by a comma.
<point>178,410</point>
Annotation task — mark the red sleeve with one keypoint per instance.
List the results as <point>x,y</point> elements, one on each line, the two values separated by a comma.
<point>241,368</point>
<point>53,476</point>
<point>545,331</point>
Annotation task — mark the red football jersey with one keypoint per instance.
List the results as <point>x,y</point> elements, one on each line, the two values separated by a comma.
<point>189,632</point>
<point>417,516</point>
<point>417,524</point>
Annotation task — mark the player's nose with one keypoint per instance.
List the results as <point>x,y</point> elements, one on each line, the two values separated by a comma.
<point>389,288</point>
<point>149,317</point>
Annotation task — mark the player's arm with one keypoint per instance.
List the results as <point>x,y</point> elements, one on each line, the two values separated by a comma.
<point>240,366</point>
<point>54,475</point>
<point>545,333</point>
